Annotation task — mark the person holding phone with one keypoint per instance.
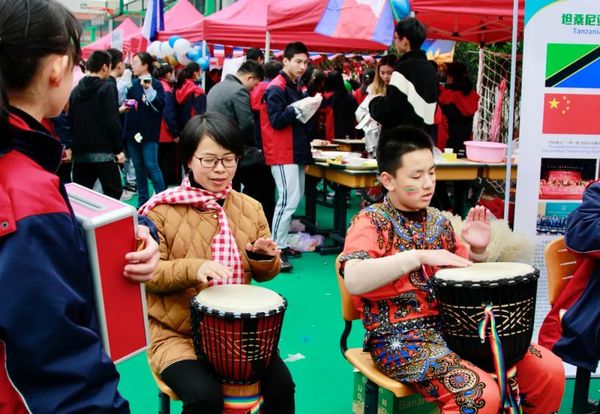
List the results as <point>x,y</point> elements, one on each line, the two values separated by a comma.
<point>142,126</point>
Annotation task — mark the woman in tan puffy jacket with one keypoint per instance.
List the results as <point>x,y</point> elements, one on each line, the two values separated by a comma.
<point>209,234</point>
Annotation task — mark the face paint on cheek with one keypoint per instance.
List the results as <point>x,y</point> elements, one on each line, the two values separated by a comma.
<point>411,191</point>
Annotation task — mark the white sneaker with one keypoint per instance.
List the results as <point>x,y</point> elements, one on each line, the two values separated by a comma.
<point>127,195</point>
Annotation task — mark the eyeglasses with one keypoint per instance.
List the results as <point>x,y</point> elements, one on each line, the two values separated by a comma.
<point>228,161</point>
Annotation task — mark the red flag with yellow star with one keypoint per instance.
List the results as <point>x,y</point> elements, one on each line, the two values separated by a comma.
<point>570,114</point>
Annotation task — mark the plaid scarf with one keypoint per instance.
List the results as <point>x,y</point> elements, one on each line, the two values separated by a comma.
<point>224,249</point>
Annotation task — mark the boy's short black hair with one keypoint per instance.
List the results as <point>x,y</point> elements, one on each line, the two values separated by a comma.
<point>413,30</point>
<point>254,53</point>
<point>97,59</point>
<point>395,142</point>
<point>116,57</point>
<point>294,48</point>
<point>252,67</point>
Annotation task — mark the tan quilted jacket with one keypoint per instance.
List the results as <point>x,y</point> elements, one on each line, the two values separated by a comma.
<point>185,238</point>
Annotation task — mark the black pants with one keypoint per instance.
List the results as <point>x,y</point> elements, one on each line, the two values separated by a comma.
<point>86,174</point>
<point>200,392</point>
<point>168,163</point>
<point>259,184</point>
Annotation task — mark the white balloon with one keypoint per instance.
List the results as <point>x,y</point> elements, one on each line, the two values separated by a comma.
<point>153,48</point>
<point>181,47</point>
<point>164,50</point>
<point>183,59</point>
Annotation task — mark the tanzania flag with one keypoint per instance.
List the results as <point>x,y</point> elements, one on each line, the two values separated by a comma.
<point>570,114</point>
<point>572,65</point>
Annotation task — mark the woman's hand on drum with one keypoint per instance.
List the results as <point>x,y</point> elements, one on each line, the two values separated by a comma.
<point>263,245</point>
<point>213,270</point>
<point>476,229</point>
<point>442,258</point>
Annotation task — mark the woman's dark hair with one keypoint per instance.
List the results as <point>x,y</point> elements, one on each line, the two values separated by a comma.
<point>335,83</point>
<point>146,59</point>
<point>213,125</point>
<point>460,78</point>
<point>29,31</point>
<point>272,68</point>
<point>317,83</point>
<point>161,71</point>
<point>396,142</point>
<point>367,78</point>
<point>186,73</point>
<point>308,74</point>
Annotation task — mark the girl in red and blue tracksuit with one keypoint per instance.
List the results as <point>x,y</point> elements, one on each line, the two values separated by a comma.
<point>190,97</point>
<point>51,356</point>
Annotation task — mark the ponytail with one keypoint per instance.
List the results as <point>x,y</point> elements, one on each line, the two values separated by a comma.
<point>186,73</point>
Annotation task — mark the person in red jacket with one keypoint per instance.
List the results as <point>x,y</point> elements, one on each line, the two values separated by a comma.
<point>285,141</point>
<point>189,95</point>
<point>459,103</point>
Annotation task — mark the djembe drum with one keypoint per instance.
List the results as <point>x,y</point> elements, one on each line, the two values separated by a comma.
<point>236,330</point>
<point>467,296</point>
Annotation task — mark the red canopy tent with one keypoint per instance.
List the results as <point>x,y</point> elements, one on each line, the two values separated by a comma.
<point>129,29</point>
<point>241,24</point>
<point>246,22</point>
<point>478,21</point>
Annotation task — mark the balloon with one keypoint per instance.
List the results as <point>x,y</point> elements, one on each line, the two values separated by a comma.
<point>183,59</point>
<point>173,39</point>
<point>171,60</point>
<point>194,55</point>
<point>153,48</point>
<point>204,63</point>
<point>182,46</point>
<point>164,50</point>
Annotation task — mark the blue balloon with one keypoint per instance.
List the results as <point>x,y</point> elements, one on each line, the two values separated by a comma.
<point>173,39</point>
<point>194,54</point>
<point>204,63</point>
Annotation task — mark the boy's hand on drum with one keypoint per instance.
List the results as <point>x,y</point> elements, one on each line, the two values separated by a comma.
<point>442,258</point>
<point>476,229</point>
<point>213,270</point>
<point>264,246</point>
<point>141,264</point>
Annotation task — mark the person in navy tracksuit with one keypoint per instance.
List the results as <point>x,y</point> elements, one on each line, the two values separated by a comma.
<point>286,144</point>
<point>51,355</point>
<point>142,126</point>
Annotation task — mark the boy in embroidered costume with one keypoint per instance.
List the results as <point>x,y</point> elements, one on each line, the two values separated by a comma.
<point>392,250</point>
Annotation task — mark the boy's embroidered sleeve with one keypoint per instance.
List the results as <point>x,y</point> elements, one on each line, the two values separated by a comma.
<point>362,241</point>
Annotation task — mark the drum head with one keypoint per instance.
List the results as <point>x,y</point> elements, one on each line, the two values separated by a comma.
<point>239,298</point>
<point>485,272</point>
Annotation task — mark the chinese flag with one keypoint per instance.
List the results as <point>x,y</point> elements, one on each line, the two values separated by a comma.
<point>570,114</point>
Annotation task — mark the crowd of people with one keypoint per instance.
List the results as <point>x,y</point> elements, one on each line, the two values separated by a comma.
<point>227,169</point>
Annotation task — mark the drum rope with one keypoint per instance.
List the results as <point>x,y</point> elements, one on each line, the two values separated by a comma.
<point>507,398</point>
